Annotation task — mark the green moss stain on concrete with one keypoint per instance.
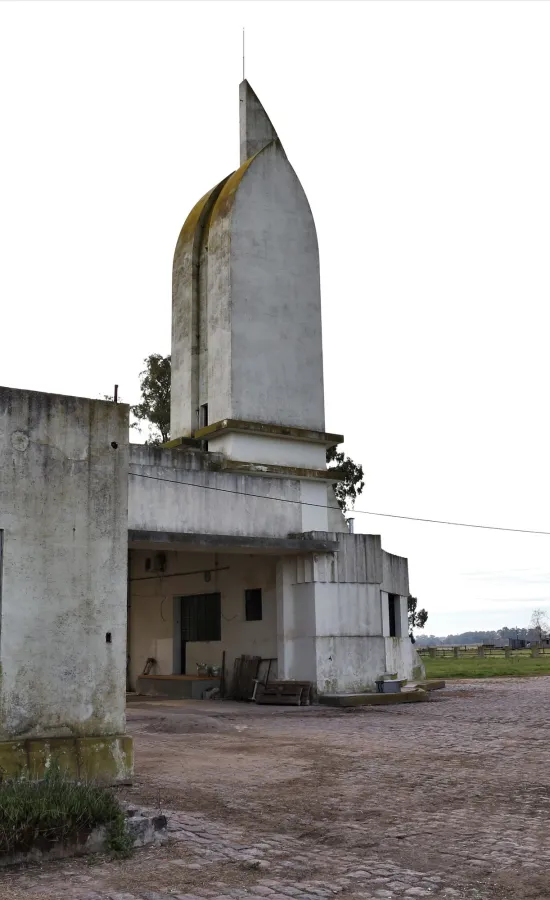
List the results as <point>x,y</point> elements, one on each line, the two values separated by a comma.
<point>109,760</point>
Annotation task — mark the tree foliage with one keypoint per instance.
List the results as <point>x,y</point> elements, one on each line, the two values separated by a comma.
<point>417,617</point>
<point>352,484</point>
<point>154,407</point>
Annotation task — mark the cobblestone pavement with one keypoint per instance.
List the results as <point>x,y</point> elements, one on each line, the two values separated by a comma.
<point>447,799</point>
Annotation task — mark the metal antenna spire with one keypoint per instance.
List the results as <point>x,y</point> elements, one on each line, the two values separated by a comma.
<point>243,54</point>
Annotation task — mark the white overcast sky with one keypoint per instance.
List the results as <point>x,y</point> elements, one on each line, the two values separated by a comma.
<point>421,134</point>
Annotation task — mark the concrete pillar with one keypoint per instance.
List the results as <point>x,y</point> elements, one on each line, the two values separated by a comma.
<point>456,652</point>
<point>64,518</point>
<point>481,652</point>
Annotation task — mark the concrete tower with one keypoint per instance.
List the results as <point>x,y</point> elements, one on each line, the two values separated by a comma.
<point>247,359</point>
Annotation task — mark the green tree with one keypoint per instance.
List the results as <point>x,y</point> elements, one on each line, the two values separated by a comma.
<point>538,623</point>
<point>352,484</point>
<point>154,407</point>
<point>417,617</point>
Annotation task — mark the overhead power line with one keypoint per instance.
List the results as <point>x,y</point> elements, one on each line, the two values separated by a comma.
<point>364,512</point>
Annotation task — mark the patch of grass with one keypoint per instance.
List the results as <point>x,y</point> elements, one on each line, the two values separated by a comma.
<point>490,667</point>
<point>55,810</point>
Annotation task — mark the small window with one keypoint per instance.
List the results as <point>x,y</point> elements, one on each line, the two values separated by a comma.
<point>159,562</point>
<point>203,415</point>
<point>253,605</point>
<point>394,609</point>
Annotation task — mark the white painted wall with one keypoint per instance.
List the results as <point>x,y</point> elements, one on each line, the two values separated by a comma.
<point>152,604</point>
<point>63,512</point>
<point>313,495</point>
<point>269,449</point>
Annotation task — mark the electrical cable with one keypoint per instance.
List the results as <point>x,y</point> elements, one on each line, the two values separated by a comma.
<point>365,512</point>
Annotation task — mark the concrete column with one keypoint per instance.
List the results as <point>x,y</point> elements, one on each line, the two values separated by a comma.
<point>296,631</point>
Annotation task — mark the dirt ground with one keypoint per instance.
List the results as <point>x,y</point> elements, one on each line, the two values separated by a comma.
<point>447,798</point>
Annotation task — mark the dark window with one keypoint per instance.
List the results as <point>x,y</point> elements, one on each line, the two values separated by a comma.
<point>159,562</point>
<point>253,605</point>
<point>201,618</point>
<point>203,415</point>
<point>394,611</point>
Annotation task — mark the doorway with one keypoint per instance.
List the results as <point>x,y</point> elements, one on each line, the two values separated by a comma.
<point>201,620</point>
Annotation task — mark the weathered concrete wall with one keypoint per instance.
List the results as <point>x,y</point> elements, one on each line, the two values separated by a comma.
<point>157,504</point>
<point>64,516</point>
<point>333,617</point>
<point>256,130</point>
<point>189,319</point>
<point>152,620</point>
<point>246,325</point>
<point>395,574</point>
<point>275,296</point>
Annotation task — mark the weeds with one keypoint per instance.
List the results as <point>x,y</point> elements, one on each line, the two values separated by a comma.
<point>54,810</point>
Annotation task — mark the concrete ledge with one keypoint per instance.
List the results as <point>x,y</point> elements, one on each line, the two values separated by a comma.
<point>188,540</point>
<point>417,696</point>
<point>107,759</point>
<point>252,468</point>
<point>291,432</point>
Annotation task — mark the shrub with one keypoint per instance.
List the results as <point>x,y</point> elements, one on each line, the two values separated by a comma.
<point>55,810</point>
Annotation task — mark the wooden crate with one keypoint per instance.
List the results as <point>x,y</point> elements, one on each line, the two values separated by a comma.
<point>284,693</point>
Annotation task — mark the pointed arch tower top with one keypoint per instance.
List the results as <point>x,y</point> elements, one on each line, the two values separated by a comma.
<point>256,130</point>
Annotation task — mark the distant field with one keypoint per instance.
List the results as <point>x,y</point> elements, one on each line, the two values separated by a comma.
<point>475,667</point>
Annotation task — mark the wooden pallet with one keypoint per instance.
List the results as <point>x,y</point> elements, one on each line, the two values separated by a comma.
<point>285,693</point>
<point>244,674</point>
